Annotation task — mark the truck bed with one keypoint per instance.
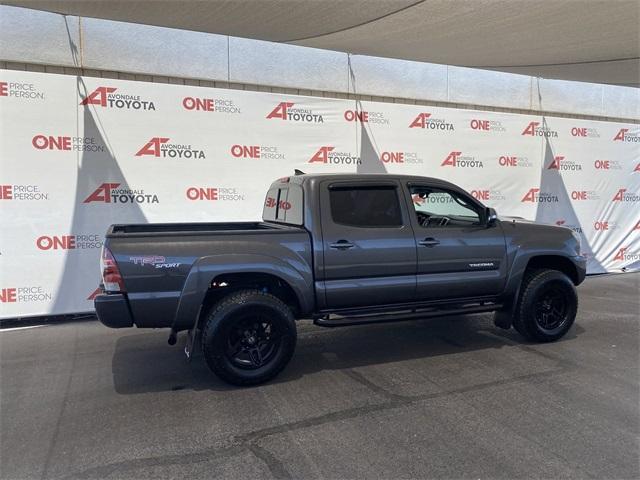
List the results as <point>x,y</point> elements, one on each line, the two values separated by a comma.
<point>155,259</point>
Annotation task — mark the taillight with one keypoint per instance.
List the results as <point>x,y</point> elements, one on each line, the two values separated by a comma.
<point>111,277</point>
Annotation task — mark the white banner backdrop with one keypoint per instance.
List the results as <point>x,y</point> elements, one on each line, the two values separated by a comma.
<point>80,153</point>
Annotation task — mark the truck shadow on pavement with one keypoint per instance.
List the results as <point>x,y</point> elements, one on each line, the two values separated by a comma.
<point>144,362</point>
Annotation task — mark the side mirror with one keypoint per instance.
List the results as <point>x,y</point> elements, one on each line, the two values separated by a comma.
<point>492,216</point>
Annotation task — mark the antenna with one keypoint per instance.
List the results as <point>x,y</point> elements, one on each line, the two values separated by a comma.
<point>298,172</point>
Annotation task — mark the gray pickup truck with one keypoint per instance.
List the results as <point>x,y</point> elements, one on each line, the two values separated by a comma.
<point>341,249</point>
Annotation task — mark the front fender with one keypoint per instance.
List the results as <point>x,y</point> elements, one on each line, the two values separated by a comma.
<point>207,268</point>
<point>519,266</point>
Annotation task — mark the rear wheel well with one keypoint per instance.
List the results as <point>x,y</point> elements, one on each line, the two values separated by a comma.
<point>555,262</point>
<point>224,284</point>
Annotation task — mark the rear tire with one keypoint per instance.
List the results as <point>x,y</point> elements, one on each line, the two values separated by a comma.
<point>547,305</point>
<point>249,337</point>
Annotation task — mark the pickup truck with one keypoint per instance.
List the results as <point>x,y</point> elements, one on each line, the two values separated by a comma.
<point>341,249</point>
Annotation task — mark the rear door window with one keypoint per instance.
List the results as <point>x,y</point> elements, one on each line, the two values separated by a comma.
<point>375,206</point>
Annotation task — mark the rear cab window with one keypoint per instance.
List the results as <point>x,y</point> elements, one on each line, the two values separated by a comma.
<point>284,204</point>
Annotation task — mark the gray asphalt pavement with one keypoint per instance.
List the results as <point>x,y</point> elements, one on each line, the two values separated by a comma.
<point>441,398</point>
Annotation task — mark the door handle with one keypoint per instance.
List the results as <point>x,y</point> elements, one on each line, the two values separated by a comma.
<point>342,245</point>
<point>429,242</point>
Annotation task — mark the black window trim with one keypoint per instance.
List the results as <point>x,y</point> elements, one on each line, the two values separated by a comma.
<point>278,203</point>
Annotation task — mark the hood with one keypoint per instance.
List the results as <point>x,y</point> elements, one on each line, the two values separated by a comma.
<point>512,219</point>
<point>538,235</point>
<point>507,218</point>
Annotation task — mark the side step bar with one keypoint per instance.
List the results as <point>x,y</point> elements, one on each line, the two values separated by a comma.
<point>403,316</point>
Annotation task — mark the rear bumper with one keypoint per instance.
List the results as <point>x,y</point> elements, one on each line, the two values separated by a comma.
<point>113,310</point>
<point>581,268</point>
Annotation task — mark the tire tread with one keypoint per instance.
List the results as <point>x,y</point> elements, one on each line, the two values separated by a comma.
<point>212,323</point>
<point>529,282</point>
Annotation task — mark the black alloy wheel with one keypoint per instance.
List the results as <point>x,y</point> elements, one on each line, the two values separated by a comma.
<point>252,342</point>
<point>551,309</point>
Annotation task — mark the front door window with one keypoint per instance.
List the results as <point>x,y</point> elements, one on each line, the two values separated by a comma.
<point>442,208</point>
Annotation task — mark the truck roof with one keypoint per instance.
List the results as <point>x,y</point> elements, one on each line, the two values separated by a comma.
<point>302,178</point>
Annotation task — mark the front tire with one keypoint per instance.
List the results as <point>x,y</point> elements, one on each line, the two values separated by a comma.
<point>547,305</point>
<point>249,337</point>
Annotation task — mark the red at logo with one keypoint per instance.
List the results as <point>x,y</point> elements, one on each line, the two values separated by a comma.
<point>245,151</point>
<point>579,132</point>
<point>281,110</point>
<point>98,96</point>
<point>6,192</point>
<point>531,128</point>
<point>392,157</point>
<point>4,89</point>
<point>480,125</point>
<point>102,193</point>
<point>620,135</point>
<point>530,195</point>
<point>63,242</point>
<point>637,169</point>
<point>619,197</point>
<point>322,155</point>
<point>602,164</point>
<point>355,116</point>
<point>152,147</point>
<point>43,142</point>
<point>555,163</point>
<point>420,121</point>
<point>601,225</point>
<point>620,254</point>
<point>8,295</point>
<point>451,159</point>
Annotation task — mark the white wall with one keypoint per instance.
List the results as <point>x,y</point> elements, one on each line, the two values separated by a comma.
<point>34,37</point>
<point>35,41</point>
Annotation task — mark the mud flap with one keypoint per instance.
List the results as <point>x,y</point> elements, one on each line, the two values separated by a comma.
<point>192,343</point>
<point>503,318</point>
<point>193,338</point>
